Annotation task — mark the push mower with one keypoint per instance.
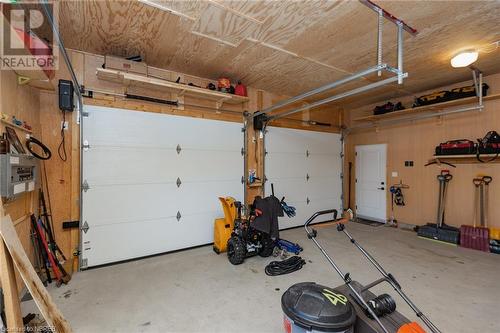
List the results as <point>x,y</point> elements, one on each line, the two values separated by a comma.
<point>351,307</point>
<point>246,241</point>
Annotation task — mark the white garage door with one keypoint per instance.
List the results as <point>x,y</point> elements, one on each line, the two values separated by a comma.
<point>153,182</point>
<point>305,167</point>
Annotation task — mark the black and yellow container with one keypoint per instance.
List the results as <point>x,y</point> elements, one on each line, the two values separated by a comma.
<point>224,226</point>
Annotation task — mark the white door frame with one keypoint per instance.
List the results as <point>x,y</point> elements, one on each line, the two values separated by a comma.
<point>380,214</point>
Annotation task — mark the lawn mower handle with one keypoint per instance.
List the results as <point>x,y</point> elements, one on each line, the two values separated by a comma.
<point>315,215</point>
<point>387,277</point>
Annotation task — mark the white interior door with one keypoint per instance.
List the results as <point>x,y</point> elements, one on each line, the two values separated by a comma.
<point>371,183</point>
<point>305,168</point>
<point>154,182</point>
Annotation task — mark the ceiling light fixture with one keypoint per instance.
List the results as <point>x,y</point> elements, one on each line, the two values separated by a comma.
<point>468,57</point>
<point>464,58</point>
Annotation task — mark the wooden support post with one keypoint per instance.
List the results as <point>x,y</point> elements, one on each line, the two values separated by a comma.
<point>11,244</point>
<point>9,286</point>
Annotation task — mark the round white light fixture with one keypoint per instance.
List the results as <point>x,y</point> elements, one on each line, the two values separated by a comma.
<point>464,58</point>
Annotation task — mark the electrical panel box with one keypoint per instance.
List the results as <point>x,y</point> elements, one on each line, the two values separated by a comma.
<point>18,174</point>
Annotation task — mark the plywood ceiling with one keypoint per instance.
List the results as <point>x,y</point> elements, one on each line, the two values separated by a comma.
<point>286,47</point>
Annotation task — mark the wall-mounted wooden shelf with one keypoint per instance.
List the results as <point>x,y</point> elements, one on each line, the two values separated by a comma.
<point>15,126</point>
<point>134,80</point>
<point>256,184</point>
<point>465,159</point>
<point>426,108</point>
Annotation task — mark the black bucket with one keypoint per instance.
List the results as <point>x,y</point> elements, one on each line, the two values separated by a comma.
<point>310,307</point>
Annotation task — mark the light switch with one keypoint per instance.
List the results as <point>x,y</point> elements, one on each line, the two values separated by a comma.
<point>394,174</point>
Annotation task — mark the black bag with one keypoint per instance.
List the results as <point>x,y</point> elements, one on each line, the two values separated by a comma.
<point>467,91</point>
<point>489,144</point>
<point>387,107</point>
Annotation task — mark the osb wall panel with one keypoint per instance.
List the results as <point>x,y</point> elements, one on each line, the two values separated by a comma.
<point>23,103</point>
<point>416,141</point>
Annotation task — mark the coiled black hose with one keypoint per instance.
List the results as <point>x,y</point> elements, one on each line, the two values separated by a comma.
<point>284,267</point>
<point>45,149</point>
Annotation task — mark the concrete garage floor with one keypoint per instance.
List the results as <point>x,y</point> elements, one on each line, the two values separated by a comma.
<point>198,291</point>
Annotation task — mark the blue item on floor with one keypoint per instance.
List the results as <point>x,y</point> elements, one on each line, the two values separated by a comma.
<point>288,246</point>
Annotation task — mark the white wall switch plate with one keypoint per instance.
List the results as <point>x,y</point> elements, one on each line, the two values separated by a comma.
<point>394,174</point>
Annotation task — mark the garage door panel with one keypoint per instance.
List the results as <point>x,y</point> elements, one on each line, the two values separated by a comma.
<point>324,165</point>
<point>287,188</point>
<point>284,141</point>
<point>141,166</point>
<point>134,206</point>
<point>129,202</point>
<point>303,153</point>
<point>123,128</point>
<point>210,165</point>
<point>199,197</point>
<point>323,186</point>
<point>280,160</point>
<point>135,240</point>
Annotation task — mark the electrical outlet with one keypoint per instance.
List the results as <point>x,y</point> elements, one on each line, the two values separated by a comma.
<point>64,125</point>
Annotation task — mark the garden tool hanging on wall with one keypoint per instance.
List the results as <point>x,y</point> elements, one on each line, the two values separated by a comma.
<point>397,198</point>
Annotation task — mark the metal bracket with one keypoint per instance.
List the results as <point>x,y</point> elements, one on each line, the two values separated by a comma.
<point>85,145</point>
<point>85,227</point>
<point>178,182</point>
<point>243,179</point>
<point>178,149</point>
<point>477,77</point>
<point>308,201</point>
<point>379,39</point>
<point>242,151</point>
<point>178,216</point>
<point>307,153</point>
<point>307,177</point>
<point>85,186</point>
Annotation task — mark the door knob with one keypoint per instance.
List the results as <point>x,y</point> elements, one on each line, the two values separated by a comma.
<point>380,188</point>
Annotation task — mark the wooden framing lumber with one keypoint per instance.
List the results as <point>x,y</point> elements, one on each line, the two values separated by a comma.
<point>9,286</point>
<point>36,288</point>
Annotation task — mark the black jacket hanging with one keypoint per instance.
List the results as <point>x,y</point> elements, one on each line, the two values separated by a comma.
<point>268,221</point>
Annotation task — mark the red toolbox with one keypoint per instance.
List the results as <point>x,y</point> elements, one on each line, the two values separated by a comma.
<point>477,238</point>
